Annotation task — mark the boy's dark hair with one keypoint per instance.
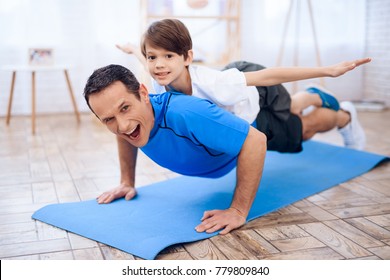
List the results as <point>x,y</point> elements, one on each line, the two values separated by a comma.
<point>106,76</point>
<point>168,34</point>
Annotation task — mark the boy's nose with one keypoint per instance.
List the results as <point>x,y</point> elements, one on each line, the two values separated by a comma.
<point>159,63</point>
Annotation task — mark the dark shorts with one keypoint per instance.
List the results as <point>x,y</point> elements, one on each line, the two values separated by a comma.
<point>284,136</point>
<point>283,129</point>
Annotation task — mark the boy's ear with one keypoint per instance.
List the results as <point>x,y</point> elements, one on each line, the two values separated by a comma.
<point>190,57</point>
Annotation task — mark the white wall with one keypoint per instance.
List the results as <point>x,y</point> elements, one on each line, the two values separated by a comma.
<point>340,29</point>
<point>377,74</point>
<point>83,34</point>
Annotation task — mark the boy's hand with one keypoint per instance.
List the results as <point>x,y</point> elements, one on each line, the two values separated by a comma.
<point>343,67</point>
<point>127,48</point>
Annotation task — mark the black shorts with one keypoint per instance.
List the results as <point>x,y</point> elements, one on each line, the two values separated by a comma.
<point>283,129</point>
<point>274,98</point>
<point>284,136</point>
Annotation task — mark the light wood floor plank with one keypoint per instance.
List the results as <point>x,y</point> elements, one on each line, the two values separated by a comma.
<point>18,232</point>
<point>232,248</point>
<point>295,244</point>
<point>348,202</point>
<point>183,255</point>
<point>44,192</point>
<point>369,210</point>
<point>88,254</point>
<point>282,232</point>
<point>254,243</point>
<point>110,253</point>
<point>382,252</point>
<point>308,254</point>
<point>204,250</point>
<point>63,255</point>
<point>48,232</point>
<point>80,242</point>
<point>353,233</point>
<point>280,220</point>
<point>381,220</point>
<point>370,228</point>
<point>32,248</point>
<point>336,241</point>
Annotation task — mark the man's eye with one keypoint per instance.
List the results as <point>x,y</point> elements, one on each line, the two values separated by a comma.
<point>125,108</point>
<point>107,120</point>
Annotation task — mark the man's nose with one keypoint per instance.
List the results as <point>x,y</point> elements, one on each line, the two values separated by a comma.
<point>122,125</point>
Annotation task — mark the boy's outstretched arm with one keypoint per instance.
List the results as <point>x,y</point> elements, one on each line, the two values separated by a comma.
<point>250,165</point>
<point>133,49</point>
<point>279,75</point>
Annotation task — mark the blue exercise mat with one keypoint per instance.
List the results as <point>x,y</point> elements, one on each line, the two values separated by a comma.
<point>167,212</point>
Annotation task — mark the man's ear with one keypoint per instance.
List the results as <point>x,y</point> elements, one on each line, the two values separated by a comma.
<point>190,58</point>
<point>144,93</point>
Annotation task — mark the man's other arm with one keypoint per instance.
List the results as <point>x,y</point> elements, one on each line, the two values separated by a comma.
<point>127,160</point>
<point>250,166</point>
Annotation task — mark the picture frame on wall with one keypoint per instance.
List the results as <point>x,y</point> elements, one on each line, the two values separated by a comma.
<point>40,56</point>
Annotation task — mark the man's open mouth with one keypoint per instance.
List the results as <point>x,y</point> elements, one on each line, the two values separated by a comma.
<point>135,132</point>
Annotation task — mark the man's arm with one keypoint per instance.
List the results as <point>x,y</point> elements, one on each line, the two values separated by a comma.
<point>250,165</point>
<point>127,160</point>
<point>279,75</point>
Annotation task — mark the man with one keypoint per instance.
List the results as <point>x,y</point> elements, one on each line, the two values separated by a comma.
<point>206,140</point>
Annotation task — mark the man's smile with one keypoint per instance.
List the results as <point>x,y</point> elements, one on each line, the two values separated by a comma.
<point>134,133</point>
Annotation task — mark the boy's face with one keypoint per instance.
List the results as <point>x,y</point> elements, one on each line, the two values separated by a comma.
<point>123,114</point>
<point>167,68</point>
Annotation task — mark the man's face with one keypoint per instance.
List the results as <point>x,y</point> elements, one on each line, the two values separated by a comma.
<point>166,67</point>
<point>123,114</point>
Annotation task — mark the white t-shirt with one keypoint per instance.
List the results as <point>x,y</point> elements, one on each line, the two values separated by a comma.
<point>227,89</point>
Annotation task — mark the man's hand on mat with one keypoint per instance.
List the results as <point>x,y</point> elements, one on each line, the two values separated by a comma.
<point>120,191</point>
<point>227,220</point>
<point>343,67</point>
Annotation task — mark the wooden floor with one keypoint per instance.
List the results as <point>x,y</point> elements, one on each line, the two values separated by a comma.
<point>67,162</point>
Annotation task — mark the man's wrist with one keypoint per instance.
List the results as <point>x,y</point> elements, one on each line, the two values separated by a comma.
<point>241,213</point>
<point>127,184</point>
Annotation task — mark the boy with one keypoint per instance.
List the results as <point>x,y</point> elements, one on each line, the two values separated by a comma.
<point>167,47</point>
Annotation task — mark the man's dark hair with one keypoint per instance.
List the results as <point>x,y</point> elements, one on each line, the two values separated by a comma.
<point>106,76</point>
<point>169,34</point>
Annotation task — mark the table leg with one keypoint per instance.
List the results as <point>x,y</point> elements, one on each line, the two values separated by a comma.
<point>76,111</point>
<point>11,96</point>
<point>33,102</point>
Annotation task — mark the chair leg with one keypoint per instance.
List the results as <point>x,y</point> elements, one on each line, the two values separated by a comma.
<point>11,96</point>
<point>76,111</point>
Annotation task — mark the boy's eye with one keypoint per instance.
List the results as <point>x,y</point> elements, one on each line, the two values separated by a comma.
<point>169,55</point>
<point>151,57</point>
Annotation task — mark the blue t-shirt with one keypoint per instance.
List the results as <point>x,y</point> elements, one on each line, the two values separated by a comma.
<point>193,136</point>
